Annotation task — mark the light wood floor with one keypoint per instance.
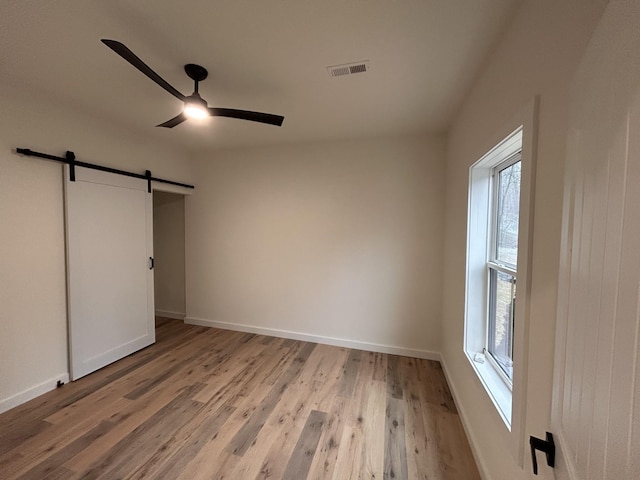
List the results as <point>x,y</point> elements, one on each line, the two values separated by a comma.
<point>216,404</point>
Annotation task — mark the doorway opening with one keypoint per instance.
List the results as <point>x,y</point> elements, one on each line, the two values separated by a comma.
<point>169,255</point>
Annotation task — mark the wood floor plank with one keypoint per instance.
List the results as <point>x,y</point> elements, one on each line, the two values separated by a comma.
<point>12,435</point>
<point>395,459</point>
<point>125,371</point>
<point>326,457</point>
<point>373,431</point>
<point>380,366</point>
<point>225,372</point>
<point>302,456</point>
<point>394,382</point>
<point>422,454</point>
<point>324,378</point>
<point>251,428</point>
<point>57,437</point>
<point>138,445</point>
<point>267,340</point>
<point>350,372</point>
<point>453,452</point>
<point>214,458</point>
<point>284,424</point>
<point>59,473</point>
<point>253,373</point>
<point>435,385</point>
<point>52,463</point>
<point>176,452</point>
<point>352,443</point>
<point>126,421</point>
<point>221,405</point>
<point>290,350</point>
<point>280,435</point>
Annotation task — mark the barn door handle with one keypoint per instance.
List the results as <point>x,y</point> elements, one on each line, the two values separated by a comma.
<point>150,263</point>
<point>547,446</point>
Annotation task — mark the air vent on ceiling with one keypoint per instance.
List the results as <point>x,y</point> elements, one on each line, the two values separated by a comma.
<point>348,68</point>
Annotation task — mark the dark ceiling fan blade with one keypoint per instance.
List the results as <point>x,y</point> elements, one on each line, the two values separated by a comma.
<point>247,115</point>
<point>177,120</point>
<point>131,57</point>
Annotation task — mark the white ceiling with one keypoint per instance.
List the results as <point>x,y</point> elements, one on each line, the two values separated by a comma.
<point>263,55</point>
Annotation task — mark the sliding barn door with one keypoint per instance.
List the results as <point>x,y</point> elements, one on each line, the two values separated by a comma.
<point>110,282</point>
<point>596,416</point>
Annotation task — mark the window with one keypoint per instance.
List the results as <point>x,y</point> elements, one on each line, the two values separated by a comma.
<point>498,274</point>
<point>502,264</point>
<point>491,322</point>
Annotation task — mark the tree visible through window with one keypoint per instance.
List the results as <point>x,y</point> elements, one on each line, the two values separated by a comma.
<point>503,262</point>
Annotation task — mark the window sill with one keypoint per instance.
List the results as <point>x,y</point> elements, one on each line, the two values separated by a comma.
<point>498,391</point>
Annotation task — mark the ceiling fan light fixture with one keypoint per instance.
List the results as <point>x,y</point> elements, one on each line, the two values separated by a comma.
<point>195,111</point>
<point>195,107</point>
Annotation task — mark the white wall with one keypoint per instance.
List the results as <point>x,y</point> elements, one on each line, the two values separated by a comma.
<point>337,240</point>
<point>168,252</point>
<point>33,332</point>
<point>537,55</point>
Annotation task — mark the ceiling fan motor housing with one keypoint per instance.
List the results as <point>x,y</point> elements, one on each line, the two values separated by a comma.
<point>195,99</point>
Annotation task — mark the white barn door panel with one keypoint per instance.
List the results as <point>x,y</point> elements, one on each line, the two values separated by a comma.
<point>110,283</point>
<point>596,409</point>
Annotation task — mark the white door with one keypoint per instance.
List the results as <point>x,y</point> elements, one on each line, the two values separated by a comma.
<point>596,409</point>
<point>110,283</point>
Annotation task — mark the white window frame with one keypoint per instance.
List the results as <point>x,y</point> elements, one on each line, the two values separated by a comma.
<point>507,397</point>
<point>504,160</point>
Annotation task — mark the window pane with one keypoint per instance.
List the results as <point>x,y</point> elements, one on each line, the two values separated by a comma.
<point>508,214</point>
<point>502,294</point>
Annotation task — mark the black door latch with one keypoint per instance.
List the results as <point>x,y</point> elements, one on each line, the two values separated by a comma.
<point>151,263</point>
<point>547,446</point>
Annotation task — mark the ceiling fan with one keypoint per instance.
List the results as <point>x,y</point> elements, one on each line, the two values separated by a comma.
<point>194,105</point>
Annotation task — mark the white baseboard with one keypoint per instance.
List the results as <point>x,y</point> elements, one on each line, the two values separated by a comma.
<point>169,314</point>
<point>33,392</point>
<point>473,441</point>
<point>338,342</point>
